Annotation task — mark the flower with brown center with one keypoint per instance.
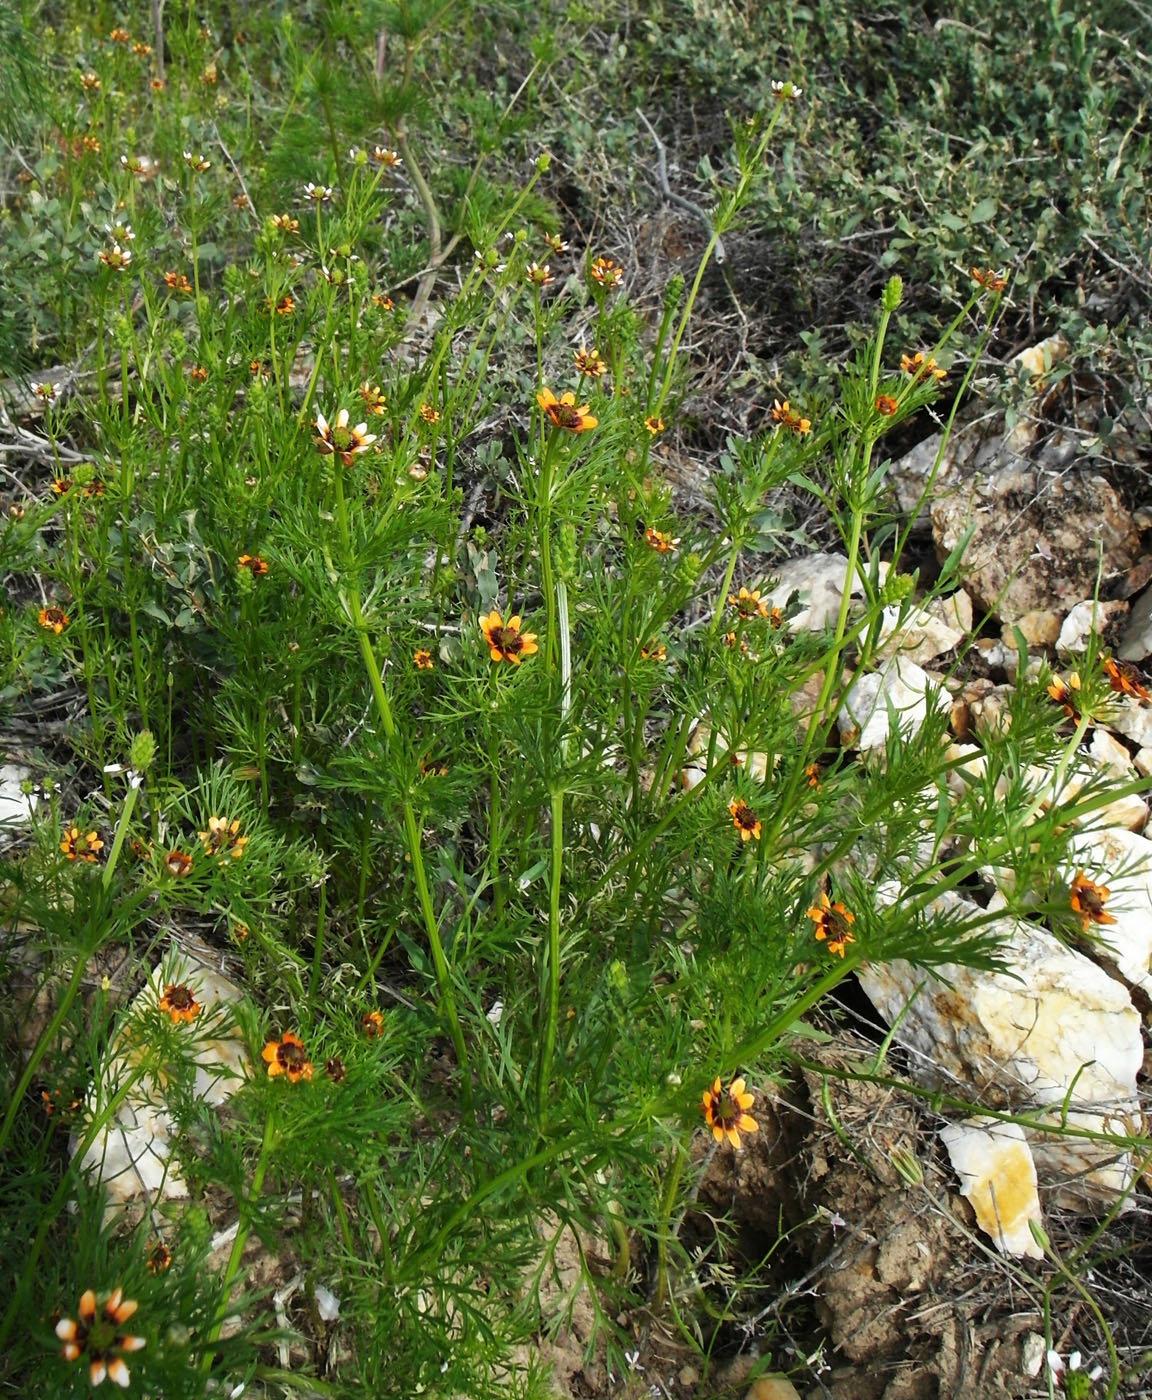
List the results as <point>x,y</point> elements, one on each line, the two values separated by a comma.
<point>80,845</point>
<point>179,1002</point>
<point>198,374</point>
<point>654,425</point>
<point>116,257</point>
<point>660,542</point>
<point>89,82</point>
<point>555,244</point>
<point>589,362</point>
<point>833,924</point>
<point>812,773</point>
<point>177,282</point>
<point>53,620</point>
<point>745,821</point>
<point>1088,900</point>
<point>178,864</point>
<point>607,274</point>
<point>654,651</point>
<point>381,302</point>
<point>284,307</point>
<point>988,279</point>
<point>374,400</point>
<point>55,1103</point>
<point>1125,679</point>
<point>1067,695</point>
<point>253,563</point>
<point>429,414</point>
<point>335,1070</point>
<point>119,36</point>
<point>288,1057</point>
<point>422,659</point>
<point>505,640</point>
<point>726,1111</point>
<point>340,440</point>
<point>319,194</point>
<point>920,368</point>
<point>383,156</point>
<point>46,391</point>
<point>157,1257</point>
<point>749,604</point>
<point>539,275</point>
<point>98,1338</point>
<point>782,413</point>
<point>563,412</point>
<point>885,405</point>
<point>372,1024</point>
<point>223,839</point>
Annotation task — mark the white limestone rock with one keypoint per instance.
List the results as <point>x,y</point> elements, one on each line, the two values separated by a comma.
<point>920,637</point>
<point>998,1177</point>
<point>1136,643</point>
<point>132,1154</point>
<point>900,695</point>
<point>1121,861</point>
<point>1084,620</point>
<point>818,579</point>
<point>16,806</point>
<point>1131,717</point>
<point>1052,1032</point>
<point>752,762</point>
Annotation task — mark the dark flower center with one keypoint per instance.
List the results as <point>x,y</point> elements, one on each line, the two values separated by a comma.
<point>292,1057</point>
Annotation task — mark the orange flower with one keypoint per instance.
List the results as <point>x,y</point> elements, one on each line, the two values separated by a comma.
<point>78,845</point>
<point>179,1003</point>
<point>654,425</point>
<point>749,604</point>
<point>920,368</point>
<point>782,413</point>
<point>372,1024</point>
<point>285,223</point>
<point>660,542</point>
<point>505,640</point>
<point>100,1341</point>
<point>222,838</point>
<point>991,281</point>
<point>654,651</point>
<point>178,863</point>
<point>253,563</point>
<point>177,282</point>
<point>607,274</point>
<point>287,1056</point>
<point>1067,694</point>
<point>422,659</point>
<point>1088,900</point>
<point>429,414</point>
<point>157,1257</point>
<point>812,773</point>
<point>833,923</point>
<point>589,362</point>
<point>885,405</point>
<point>745,821</point>
<point>53,620</point>
<point>374,400</point>
<point>725,1111</point>
<point>1124,678</point>
<point>563,412</point>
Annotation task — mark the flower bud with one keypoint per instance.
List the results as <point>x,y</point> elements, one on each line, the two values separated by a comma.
<point>142,752</point>
<point>893,294</point>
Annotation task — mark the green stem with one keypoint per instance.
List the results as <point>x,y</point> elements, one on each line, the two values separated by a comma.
<point>411,829</point>
<point>667,1201</point>
<point>242,1229</point>
<point>552,995</point>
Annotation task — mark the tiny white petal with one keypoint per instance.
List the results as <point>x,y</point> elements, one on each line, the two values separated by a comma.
<point>327,1303</point>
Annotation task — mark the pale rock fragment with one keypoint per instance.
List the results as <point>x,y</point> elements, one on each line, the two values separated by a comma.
<point>818,580</point>
<point>1142,762</point>
<point>1085,619</point>
<point>132,1154</point>
<point>16,806</point>
<point>998,1177</point>
<point>1039,628</point>
<point>1121,861</point>
<point>920,636</point>
<point>1053,1031</point>
<point>1136,642</point>
<point>754,763</point>
<point>772,1388</point>
<point>900,695</point>
<point>1131,717</point>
